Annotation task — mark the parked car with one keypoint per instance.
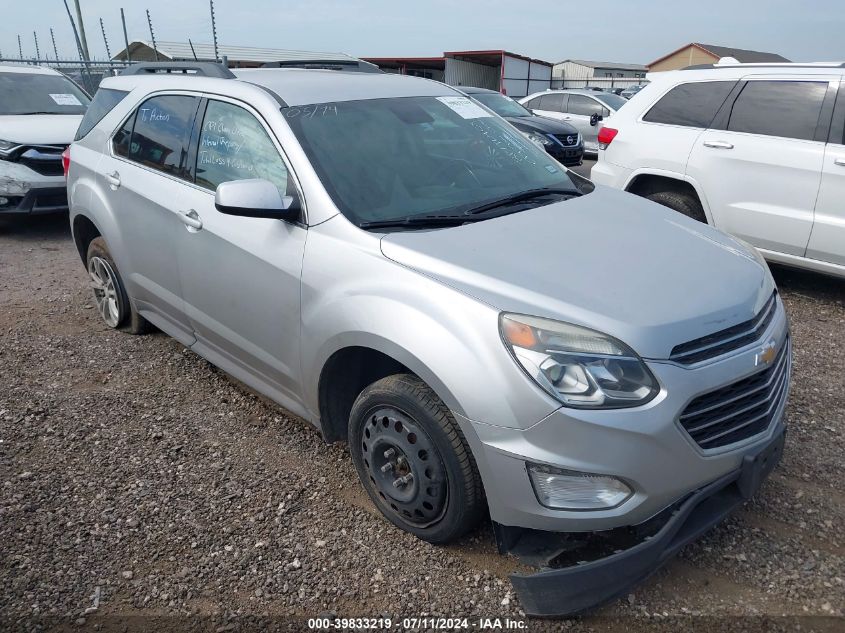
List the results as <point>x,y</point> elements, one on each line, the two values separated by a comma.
<point>40,110</point>
<point>630,91</point>
<point>560,140</point>
<point>754,150</point>
<point>579,107</point>
<point>491,333</point>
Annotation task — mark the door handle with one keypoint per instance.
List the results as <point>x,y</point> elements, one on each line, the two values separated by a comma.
<point>191,219</point>
<point>113,179</point>
<point>839,161</point>
<point>718,144</point>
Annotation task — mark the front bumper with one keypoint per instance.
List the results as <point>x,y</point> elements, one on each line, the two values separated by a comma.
<point>44,193</point>
<point>585,585</point>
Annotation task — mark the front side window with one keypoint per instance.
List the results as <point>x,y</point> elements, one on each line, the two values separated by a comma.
<point>385,159</point>
<point>233,145</point>
<point>779,108</point>
<point>579,104</point>
<point>160,134</point>
<point>36,93</point>
<point>690,105</point>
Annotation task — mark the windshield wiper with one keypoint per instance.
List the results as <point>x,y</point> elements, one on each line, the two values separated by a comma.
<point>522,196</point>
<point>417,220</point>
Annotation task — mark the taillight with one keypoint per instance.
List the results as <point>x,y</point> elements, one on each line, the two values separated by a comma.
<point>606,135</point>
<point>66,160</point>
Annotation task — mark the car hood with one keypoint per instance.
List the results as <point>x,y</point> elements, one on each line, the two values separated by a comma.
<point>609,260</point>
<point>39,129</point>
<point>540,124</point>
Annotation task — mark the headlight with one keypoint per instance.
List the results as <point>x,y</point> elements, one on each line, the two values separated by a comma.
<point>536,137</point>
<point>580,367</point>
<point>6,147</point>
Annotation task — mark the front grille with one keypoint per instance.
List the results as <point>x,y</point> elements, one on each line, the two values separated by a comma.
<point>740,410</point>
<point>726,340</point>
<point>567,140</point>
<point>43,159</point>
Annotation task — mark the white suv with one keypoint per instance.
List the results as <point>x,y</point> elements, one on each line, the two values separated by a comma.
<point>756,150</point>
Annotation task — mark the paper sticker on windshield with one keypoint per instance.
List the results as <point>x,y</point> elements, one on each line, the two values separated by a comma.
<point>551,169</point>
<point>65,99</point>
<point>463,106</point>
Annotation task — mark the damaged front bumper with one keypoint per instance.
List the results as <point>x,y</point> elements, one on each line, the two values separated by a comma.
<point>567,584</point>
<point>24,191</point>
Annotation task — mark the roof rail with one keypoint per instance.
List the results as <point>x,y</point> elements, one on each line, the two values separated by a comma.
<point>202,69</point>
<point>723,64</point>
<point>354,65</point>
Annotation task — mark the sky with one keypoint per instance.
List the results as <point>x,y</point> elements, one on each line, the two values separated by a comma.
<point>633,31</point>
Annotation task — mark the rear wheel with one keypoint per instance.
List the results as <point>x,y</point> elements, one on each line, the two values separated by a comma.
<point>681,202</point>
<point>110,296</point>
<point>413,460</point>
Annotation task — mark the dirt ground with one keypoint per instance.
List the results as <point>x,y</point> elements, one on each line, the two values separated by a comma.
<point>143,489</point>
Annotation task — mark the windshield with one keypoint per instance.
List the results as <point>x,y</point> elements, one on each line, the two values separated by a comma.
<point>501,105</point>
<point>30,93</point>
<point>384,159</point>
<point>613,101</point>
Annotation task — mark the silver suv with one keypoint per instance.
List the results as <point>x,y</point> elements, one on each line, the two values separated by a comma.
<point>491,333</point>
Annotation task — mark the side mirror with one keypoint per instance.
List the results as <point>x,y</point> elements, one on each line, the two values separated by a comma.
<point>595,118</point>
<point>256,198</point>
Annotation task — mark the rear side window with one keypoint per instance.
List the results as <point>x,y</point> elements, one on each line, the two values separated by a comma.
<point>552,103</point>
<point>160,134</point>
<point>690,105</point>
<point>779,108</point>
<point>104,102</point>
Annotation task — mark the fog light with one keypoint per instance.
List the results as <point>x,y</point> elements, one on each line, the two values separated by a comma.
<point>570,490</point>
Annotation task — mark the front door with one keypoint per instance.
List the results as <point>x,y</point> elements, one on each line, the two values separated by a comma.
<point>761,173</point>
<point>581,110</point>
<point>146,177</point>
<point>241,276</point>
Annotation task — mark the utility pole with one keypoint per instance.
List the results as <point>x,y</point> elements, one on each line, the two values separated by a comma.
<point>125,37</point>
<point>105,39</point>
<point>214,31</point>
<point>152,35</point>
<point>53,37</point>
<point>20,48</point>
<point>82,39</point>
<point>192,49</point>
<point>37,52</point>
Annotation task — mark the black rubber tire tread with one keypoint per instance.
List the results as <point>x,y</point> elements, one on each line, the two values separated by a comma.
<point>466,505</point>
<point>681,202</point>
<point>131,321</point>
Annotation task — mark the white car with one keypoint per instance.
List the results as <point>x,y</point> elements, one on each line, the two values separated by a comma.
<point>40,111</point>
<point>756,150</point>
<point>581,108</point>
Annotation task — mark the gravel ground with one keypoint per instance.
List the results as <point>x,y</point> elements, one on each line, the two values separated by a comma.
<point>141,488</point>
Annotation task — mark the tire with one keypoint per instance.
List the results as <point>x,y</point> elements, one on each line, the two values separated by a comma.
<point>110,297</point>
<point>400,418</point>
<point>680,202</point>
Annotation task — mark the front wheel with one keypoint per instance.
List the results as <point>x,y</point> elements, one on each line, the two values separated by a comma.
<point>413,460</point>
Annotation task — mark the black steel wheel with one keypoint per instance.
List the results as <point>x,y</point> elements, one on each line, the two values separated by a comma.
<point>413,460</point>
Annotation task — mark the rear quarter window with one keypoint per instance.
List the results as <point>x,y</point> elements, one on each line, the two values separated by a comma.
<point>690,105</point>
<point>104,102</point>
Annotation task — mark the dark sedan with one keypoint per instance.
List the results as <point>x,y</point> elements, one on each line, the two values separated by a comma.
<point>559,139</point>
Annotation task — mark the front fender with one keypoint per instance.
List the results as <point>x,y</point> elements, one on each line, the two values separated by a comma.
<point>448,339</point>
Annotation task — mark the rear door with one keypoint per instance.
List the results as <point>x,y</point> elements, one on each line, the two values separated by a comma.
<point>827,241</point>
<point>241,276</point>
<point>552,105</point>
<point>145,174</point>
<point>760,163</point>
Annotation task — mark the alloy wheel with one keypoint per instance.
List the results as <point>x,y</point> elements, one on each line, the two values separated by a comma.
<point>104,284</point>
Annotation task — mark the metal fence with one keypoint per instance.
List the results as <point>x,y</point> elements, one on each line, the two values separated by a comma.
<point>87,74</point>
<point>597,82</point>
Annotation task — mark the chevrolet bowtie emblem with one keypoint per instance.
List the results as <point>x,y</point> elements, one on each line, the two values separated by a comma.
<point>766,355</point>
